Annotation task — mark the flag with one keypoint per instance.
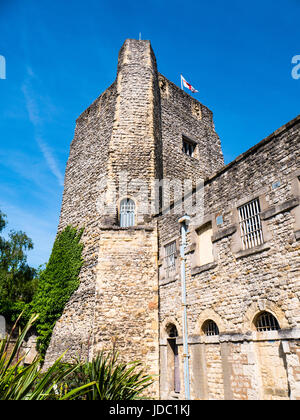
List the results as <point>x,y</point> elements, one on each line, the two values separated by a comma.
<point>187,85</point>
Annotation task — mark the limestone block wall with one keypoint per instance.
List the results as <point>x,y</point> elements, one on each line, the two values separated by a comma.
<point>182,115</point>
<point>116,303</point>
<point>239,284</point>
<point>126,297</point>
<point>126,309</point>
<point>87,161</point>
<point>135,146</point>
<point>86,164</point>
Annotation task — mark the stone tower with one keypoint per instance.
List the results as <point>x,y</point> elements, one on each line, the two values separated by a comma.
<point>132,134</point>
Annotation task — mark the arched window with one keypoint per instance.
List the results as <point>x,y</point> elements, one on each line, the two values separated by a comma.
<point>210,328</point>
<point>127,212</point>
<point>173,359</point>
<point>172,331</point>
<point>265,321</point>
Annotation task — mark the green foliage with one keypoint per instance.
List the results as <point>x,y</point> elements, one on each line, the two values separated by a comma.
<point>18,382</point>
<point>102,379</point>
<point>57,283</point>
<point>113,380</point>
<point>18,281</point>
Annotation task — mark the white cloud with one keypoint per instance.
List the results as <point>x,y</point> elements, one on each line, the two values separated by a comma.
<point>37,122</point>
<point>50,160</point>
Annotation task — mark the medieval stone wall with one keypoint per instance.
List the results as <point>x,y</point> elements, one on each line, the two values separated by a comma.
<point>127,298</point>
<point>126,311</point>
<point>116,304</point>
<point>183,115</point>
<point>238,284</point>
<point>87,160</point>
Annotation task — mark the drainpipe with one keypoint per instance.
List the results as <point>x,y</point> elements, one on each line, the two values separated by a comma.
<point>184,221</point>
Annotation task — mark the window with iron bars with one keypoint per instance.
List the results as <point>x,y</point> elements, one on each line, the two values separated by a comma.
<point>210,328</point>
<point>170,258</point>
<point>266,322</point>
<point>250,224</point>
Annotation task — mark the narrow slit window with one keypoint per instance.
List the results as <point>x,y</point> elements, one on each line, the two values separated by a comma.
<point>250,224</point>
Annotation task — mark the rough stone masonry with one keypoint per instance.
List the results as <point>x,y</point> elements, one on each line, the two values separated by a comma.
<point>242,259</point>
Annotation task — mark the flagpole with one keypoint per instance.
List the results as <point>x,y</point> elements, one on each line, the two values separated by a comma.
<point>181,81</point>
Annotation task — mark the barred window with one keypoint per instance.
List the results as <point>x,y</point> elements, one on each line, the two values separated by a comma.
<point>170,254</point>
<point>210,328</point>
<point>250,224</point>
<point>266,322</point>
<point>127,213</point>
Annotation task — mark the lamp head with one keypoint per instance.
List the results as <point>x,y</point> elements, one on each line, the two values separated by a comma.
<point>184,220</point>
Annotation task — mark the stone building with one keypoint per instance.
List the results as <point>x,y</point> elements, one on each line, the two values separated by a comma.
<point>138,149</point>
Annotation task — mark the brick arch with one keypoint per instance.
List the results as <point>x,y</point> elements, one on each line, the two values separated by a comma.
<point>260,306</point>
<point>206,315</point>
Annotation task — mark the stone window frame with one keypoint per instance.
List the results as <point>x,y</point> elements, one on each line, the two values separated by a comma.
<point>170,258</point>
<point>236,243</point>
<point>198,334</point>
<point>210,328</point>
<point>250,224</point>
<point>163,271</point>
<point>194,247</point>
<point>128,197</point>
<point>197,252</point>
<point>188,139</point>
<point>165,383</point>
<point>272,320</point>
<point>174,381</point>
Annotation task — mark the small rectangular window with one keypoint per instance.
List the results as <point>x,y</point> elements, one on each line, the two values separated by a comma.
<point>188,147</point>
<point>250,224</point>
<point>170,255</point>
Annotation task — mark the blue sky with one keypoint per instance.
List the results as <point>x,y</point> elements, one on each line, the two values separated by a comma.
<point>60,55</point>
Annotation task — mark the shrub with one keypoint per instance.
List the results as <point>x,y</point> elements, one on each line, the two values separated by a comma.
<point>57,283</point>
<point>18,382</point>
<point>104,378</point>
<point>111,379</point>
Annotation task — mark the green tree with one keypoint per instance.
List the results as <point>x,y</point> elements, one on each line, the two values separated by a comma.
<point>18,281</point>
<point>57,283</point>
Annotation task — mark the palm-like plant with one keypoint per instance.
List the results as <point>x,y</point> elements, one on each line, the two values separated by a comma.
<point>112,379</point>
<point>104,378</point>
<point>29,383</point>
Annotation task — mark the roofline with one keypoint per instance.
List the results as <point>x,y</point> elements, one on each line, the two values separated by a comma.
<point>239,159</point>
<point>254,149</point>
